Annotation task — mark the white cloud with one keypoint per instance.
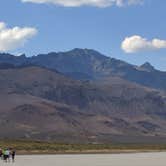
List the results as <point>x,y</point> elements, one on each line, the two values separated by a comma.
<point>2,25</point>
<point>96,3</point>
<point>12,38</point>
<point>137,43</point>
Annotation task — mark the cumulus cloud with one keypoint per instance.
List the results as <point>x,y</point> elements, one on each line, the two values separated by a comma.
<point>2,25</point>
<point>137,43</point>
<point>96,3</point>
<point>12,38</point>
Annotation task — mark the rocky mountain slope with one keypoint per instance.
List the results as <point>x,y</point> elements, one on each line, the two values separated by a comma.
<point>40,103</point>
<point>86,64</point>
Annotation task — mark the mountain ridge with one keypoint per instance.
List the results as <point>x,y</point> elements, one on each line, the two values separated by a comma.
<point>88,64</point>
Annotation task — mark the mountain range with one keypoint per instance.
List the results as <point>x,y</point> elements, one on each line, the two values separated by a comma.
<point>81,96</point>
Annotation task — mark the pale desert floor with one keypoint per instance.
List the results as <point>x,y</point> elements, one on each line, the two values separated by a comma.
<point>138,159</point>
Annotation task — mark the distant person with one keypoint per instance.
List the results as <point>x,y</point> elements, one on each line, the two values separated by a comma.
<point>7,155</point>
<point>1,153</point>
<point>13,153</point>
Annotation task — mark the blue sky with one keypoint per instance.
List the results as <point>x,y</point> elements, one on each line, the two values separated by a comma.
<point>60,28</point>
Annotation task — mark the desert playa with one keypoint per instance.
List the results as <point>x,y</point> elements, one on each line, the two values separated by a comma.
<point>137,159</point>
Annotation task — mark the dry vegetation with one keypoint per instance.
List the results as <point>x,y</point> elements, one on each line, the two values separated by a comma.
<point>39,147</point>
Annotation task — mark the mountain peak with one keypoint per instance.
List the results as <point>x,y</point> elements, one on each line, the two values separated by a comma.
<point>85,51</point>
<point>147,66</point>
<point>23,56</point>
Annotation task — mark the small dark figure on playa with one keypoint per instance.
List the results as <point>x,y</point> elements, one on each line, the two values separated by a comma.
<point>1,153</point>
<point>13,153</point>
